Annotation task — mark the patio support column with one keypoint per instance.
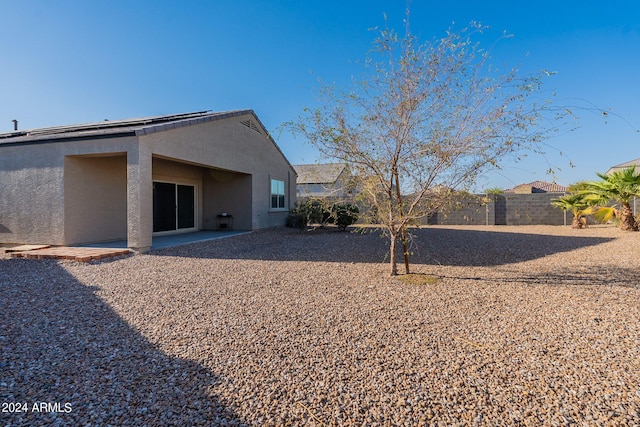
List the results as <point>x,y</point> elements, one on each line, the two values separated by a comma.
<point>139,198</point>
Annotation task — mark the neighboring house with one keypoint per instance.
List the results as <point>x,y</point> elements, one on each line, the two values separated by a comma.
<point>132,179</point>
<point>626,165</point>
<point>537,187</point>
<point>331,180</point>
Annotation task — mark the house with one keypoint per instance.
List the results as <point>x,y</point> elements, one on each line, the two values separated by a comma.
<point>331,180</point>
<point>617,168</point>
<point>133,179</point>
<point>537,187</point>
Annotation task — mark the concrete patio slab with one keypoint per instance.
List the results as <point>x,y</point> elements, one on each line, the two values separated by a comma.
<point>102,250</point>
<point>167,241</point>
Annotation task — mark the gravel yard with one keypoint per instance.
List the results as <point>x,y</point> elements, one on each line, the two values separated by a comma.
<point>528,326</point>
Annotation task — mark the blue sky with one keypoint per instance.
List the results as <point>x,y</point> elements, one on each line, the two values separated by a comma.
<point>68,62</point>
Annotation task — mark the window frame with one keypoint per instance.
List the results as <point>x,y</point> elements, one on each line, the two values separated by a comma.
<point>281,196</point>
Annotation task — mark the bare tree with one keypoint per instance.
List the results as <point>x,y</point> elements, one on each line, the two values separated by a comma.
<point>425,121</point>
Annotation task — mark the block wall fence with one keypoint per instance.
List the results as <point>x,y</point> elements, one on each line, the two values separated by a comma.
<point>503,209</point>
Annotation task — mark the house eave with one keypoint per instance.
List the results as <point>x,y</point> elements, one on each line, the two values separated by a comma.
<point>64,138</point>
<point>115,128</point>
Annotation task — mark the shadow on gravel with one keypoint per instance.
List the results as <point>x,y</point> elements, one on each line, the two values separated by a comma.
<point>457,247</point>
<point>66,358</point>
<point>431,246</point>
<point>571,276</point>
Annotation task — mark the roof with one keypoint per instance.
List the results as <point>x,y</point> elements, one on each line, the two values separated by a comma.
<point>539,187</point>
<point>131,127</point>
<point>140,126</point>
<point>327,173</point>
<point>624,165</point>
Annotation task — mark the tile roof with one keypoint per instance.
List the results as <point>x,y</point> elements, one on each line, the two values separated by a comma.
<point>327,173</point>
<point>541,187</point>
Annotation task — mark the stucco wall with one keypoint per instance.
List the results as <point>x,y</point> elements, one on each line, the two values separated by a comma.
<point>230,193</point>
<point>174,169</point>
<point>229,145</point>
<point>139,197</point>
<point>32,190</point>
<point>31,195</point>
<point>95,198</point>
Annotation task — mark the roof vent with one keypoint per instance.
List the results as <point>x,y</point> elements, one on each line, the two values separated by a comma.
<point>251,124</point>
<point>15,124</point>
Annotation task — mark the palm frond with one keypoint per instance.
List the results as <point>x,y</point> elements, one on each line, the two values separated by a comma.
<point>604,214</point>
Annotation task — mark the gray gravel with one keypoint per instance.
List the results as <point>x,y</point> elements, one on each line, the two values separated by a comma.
<point>528,326</point>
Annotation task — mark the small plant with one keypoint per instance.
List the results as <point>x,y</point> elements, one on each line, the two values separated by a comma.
<point>494,190</point>
<point>344,214</point>
<point>296,220</point>
<point>317,212</point>
<point>577,205</point>
<point>312,211</point>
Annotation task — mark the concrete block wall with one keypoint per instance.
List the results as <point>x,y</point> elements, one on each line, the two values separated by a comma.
<point>528,209</point>
<point>502,209</point>
<point>475,210</point>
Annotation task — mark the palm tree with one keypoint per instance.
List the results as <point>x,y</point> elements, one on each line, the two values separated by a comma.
<point>575,203</point>
<point>618,187</point>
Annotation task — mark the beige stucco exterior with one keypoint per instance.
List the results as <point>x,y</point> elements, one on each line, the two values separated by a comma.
<point>89,187</point>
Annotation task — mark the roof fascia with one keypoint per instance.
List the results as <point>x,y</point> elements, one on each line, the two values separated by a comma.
<point>146,130</point>
<point>68,138</point>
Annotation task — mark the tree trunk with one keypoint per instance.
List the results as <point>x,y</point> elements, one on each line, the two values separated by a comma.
<point>579,222</point>
<point>392,254</point>
<point>403,228</point>
<point>627,221</point>
<point>405,249</point>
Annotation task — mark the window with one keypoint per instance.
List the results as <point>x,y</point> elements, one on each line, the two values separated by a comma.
<point>277,194</point>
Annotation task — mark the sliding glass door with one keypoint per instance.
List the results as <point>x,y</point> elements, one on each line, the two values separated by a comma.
<point>174,206</point>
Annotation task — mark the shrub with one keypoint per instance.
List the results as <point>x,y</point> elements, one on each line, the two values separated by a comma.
<point>309,212</point>
<point>318,212</point>
<point>295,220</point>
<point>344,214</point>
